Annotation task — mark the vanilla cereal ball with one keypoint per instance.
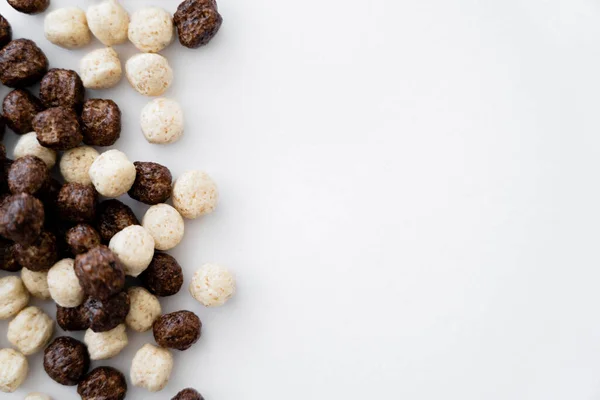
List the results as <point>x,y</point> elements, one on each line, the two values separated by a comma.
<point>104,345</point>
<point>36,283</point>
<point>165,224</point>
<point>151,29</point>
<point>162,121</point>
<point>151,368</point>
<point>28,145</point>
<point>100,69</point>
<point>67,27</point>
<point>64,286</point>
<point>195,194</point>
<point>75,164</point>
<point>212,285</point>
<point>13,370</point>
<point>108,21</point>
<point>134,246</point>
<point>144,309</point>
<point>30,331</point>
<point>149,74</point>
<point>37,396</point>
<point>13,296</point>
<point>112,174</point>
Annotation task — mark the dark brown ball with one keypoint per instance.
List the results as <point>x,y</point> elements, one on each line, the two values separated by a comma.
<point>28,174</point>
<point>19,108</point>
<point>164,276</point>
<point>22,63</point>
<point>153,183</point>
<point>58,128</point>
<point>82,238</point>
<point>103,383</point>
<point>178,330</point>
<point>39,256</point>
<point>29,6</point>
<point>77,202</point>
<point>112,217</point>
<point>49,196</point>
<point>101,122</point>
<point>62,88</point>
<point>21,218</point>
<point>8,260</point>
<point>197,22</point>
<point>188,394</point>
<point>66,360</point>
<point>100,273</point>
<point>5,32</point>
<point>72,319</point>
<point>105,315</point>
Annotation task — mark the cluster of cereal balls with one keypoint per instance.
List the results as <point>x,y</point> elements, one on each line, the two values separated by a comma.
<point>71,239</point>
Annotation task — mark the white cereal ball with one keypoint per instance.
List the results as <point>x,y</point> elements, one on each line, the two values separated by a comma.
<point>149,74</point>
<point>64,286</point>
<point>134,246</point>
<point>30,331</point>
<point>165,224</point>
<point>112,174</point>
<point>212,285</point>
<point>75,164</point>
<point>144,309</point>
<point>13,370</point>
<point>67,27</point>
<point>28,145</point>
<point>37,396</point>
<point>151,368</point>
<point>36,283</point>
<point>104,345</point>
<point>108,21</point>
<point>151,29</point>
<point>13,296</point>
<point>195,194</point>
<point>162,121</point>
<point>100,69</point>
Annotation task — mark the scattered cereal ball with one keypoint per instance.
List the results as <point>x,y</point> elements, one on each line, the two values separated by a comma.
<point>165,225</point>
<point>5,32</point>
<point>67,27</point>
<point>197,21</point>
<point>13,370</point>
<point>151,368</point>
<point>112,217</point>
<point>188,394</point>
<point>29,6</point>
<point>22,63</point>
<point>28,174</point>
<point>64,286</point>
<point>195,194</point>
<point>21,218</point>
<point>66,360</point>
<point>19,108</point>
<point>112,173</point>
<point>100,69</point>
<point>105,345</point>
<point>62,88</point>
<point>178,330</point>
<point>212,285</point>
<point>151,29</point>
<point>77,202</point>
<point>8,259</point>
<point>144,310</point>
<point>40,255</point>
<point>105,315</point>
<point>101,122</point>
<point>58,128</point>
<point>37,396</point>
<point>100,273</point>
<point>36,283</point>
<point>28,145</point>
<point>30,331</point>
<point>164,276</point>
<point>72,319</point>
<point>134,246</point>
<point>152,183</point>
<point>103,383</point>
<point>108,21</point>
<point>13,296</point>
<point>149,74</point>
<point>75,164</point>
<point>162,121</point>
<point>82,238</point>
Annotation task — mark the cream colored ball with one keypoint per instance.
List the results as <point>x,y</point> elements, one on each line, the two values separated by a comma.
<point>67,27</point>
<point>134,246</point>
<point>64,285</point>
<point>36,283</point>
<point>144,310</point>
<point>151,368</point>
<point>13,296</point>
<point>149,74</point>
<point>100,69</point>
<point>37,396</point>
<point>165,224</point>
<point>105,345</point>
<point>212,285</point>
<point>112,174</point>
<point>30,331</point>
<point>195,194</point>
<point>75,164</point>
<point>151,29</point>
<point>162,121</point>
<point>13,370</point>
<point>108,21</point>
<point>28,145</point>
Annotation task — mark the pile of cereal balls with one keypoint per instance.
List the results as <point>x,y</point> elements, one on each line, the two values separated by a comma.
<point>71,239</point>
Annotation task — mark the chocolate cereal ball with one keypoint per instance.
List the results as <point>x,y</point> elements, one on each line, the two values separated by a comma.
<point>105,315</point>
<point>82,238</point>
<point>197,22</point>
<point>101,122</point>
<point>39,256</point>
<point>152,183</point>
<point>77,202</point>
<point>22,63</point>
<point>72,319</point>
<point>100,273</point>
<point>178,330</point>
<point>112,217</point>
<point>188,394</point>
<point>19,108</point>
<point>5,32</point>
<point>21,218</point>
<point>28,174</point>
<point>8,259</point>
<point>29,6</point>
<point>58,128</point>
<point>103,383</point>
<point>164,276</point>
<point>62,88</point>
<point>66,360</point>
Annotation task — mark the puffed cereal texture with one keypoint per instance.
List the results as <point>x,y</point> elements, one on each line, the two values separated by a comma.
<point>28,145</point>
<point>195,194</point>
<point>134,246</point>
<point>151,29</point>
<point>112,174</point>
<point>100,69</point>
<point>36,283</point>
<point>165,224</point>
<point>149,74</point>
<point>13,370</point>
<point>105,345</point>
<point>151,368</point>
<point>75,164</point>
<point>144,310</point>
<point>13,296</point>
<point>67,27</point>
<point>64,286</point>
<point>37,396</point>
<point>30,331</point>
<point>162,121</point>
<point>212,285</point>
<point>108,21</point>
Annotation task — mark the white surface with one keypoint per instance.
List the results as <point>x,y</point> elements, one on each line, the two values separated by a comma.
<point>409,199</point>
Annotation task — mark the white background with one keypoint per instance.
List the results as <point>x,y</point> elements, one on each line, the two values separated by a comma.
<point>410,198</point>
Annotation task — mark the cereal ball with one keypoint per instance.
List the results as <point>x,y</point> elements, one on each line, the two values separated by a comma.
<point>100,273</point>
<point>105,345</point>
<point>108,21</point>
<point>101,121</point>
<point>5,32</point>
<point>195,194</point>
<point>105,315</point>
<point>36,283</point>
<point>178,330</point>
<point>151,368</point>
<point>22,63</point>
<point>13,370</point>
<point>152,183</point>
<point>103,383</point>
<point>29,6</point>
<point>77,202</point>
<point>188,394</point>
<point>72,319</point>
<point>8,259</point>
<point>30,331</point>
<point>65,288</point>
<point>58,128</point>
<point>82,238</point>
<point>66,360</point>
<point>112,217</point>
<point>162,121</point>
<point>149,74</point>
<point>19,108</point>
<point>144,309</point>
<point>197,21</point>
<point>67,27</point>
<point>164,276</point>
<point>134,246</point>
<point>165,225</point>
<point>21,218</point>
<point>151,29</point>
<point>28,145</point>
<point>112,173</point>
<point>13,296</point>
<point>62,88</point>
<point>75,164</point>
<point>28,174</point>
<point>40,255</point>
<point>37,396</point>
<point>100,69</point>
<point>212,285</point>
